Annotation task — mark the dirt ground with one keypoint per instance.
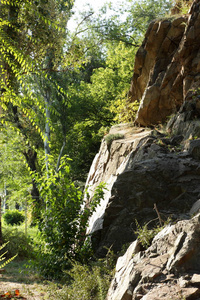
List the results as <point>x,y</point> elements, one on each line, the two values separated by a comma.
<point>26,291</point>
<point>16,277</point>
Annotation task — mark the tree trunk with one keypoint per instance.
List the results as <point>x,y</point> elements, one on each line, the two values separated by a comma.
<point>31,157</point>
<point>47,130</point>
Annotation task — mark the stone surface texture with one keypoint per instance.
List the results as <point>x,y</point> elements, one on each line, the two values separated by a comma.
<point>168,269</point>
<point>144,168</point>
<point>153,173</point>
<point>109,163</point>
<point>167,66</point>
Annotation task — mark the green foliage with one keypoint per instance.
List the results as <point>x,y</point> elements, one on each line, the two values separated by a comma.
<point>83,281</point>
<point>111,84</point>
<point>63,221</point>
<point>3,263</point>
<point>125,111</point>
<point>97,197</point>
<point>182,6</point>
<point>88,83</point>
<point>82,144</point>
<point>92,105</point>
<point>95,287</point>
<point>75,86</point>
<point>112,137</point>
<point>13,217</point>
<point>18,242</point>
<point>137,16</point>
<point>145,235</point>
<point>98,273</point>
<point>13,173</point>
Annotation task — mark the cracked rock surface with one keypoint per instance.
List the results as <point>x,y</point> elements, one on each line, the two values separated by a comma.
<point>168,269</point>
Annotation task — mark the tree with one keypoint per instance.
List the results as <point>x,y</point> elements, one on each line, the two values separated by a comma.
<point>100,99</point>
<point>60,93</point>
<point>28,32</point>
<point>15,181</point>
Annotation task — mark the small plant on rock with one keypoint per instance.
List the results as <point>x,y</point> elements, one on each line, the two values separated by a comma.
<point>145,235</point>
<point>111,137</point>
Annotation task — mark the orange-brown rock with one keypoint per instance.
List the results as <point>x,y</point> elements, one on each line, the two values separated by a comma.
<point>167,66</point>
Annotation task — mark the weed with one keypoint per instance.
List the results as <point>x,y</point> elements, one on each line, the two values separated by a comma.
<point>145,235</point>
<point>111,137</point>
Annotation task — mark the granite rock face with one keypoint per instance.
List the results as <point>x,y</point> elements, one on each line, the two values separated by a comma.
<point>153,173</point>
<point>145,168</point>
<point>168,269</point>
<point>109,162</point>
<point>167,66</point>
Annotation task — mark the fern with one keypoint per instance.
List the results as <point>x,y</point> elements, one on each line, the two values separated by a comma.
<point>2,257</point>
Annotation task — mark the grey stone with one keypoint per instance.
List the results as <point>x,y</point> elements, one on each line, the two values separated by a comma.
<point>195,208</point>
<point>162,277</point>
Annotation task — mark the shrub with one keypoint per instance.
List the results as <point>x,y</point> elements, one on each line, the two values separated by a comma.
<point>98,273</point>
<point>18,243</point>
<point>64,220</point>
<point>85,282</point>
<point>13,217</point>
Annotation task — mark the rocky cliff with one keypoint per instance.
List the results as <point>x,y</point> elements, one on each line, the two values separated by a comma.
<point>144,168</point>
<point>153,173</point>
<point>167,66</point>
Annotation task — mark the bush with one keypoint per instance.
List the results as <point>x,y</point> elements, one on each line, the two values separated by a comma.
<point>99,275</point>
<point>18,243</point>
<point>63,225</point>
<point>85,282</point>
<point>13,217</point>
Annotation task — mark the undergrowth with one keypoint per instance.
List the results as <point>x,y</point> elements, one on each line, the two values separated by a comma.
<point>81,281</point>
<point>18,242</point>
<point>88,281</point>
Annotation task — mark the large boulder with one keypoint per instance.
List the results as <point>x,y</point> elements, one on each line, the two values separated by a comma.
<point>109,162</point>
<point>153,174</point>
